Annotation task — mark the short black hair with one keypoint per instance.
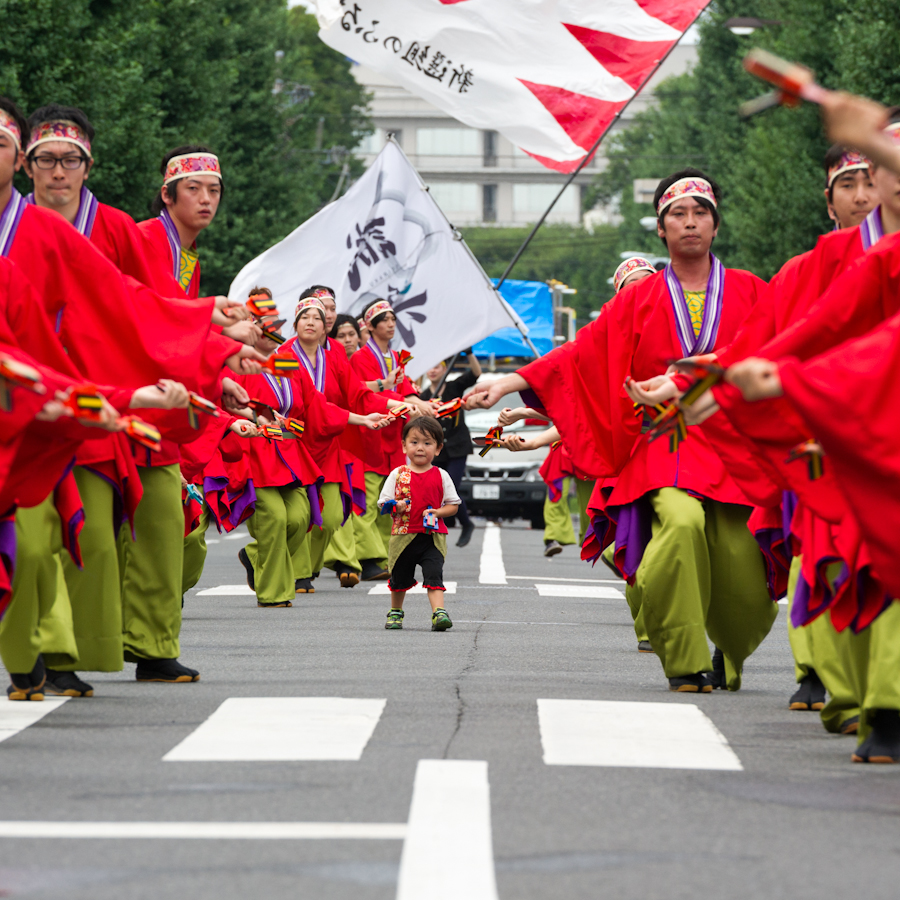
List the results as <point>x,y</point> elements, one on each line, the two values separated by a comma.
<point>428,425</point>
<point>53,112</point>
<point>689,172</point>
<point>317,287</point>
<point>260,290</point>
<point>12,108</point>
<point>344,319</point>
<point>157,206</point>
<point>379,317</point>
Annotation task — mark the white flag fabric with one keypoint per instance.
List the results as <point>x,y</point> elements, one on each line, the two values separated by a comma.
<point>386,238</point>
<point>550,75</point>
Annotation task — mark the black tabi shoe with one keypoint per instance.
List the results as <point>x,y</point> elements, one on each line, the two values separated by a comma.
<point>883,743</point>
<point>850,726</point>
<point>817,692</point>
<point>551,548</point>
<point>466,536</point>
<point>691,684</point>
<point>66,684</point>
<point>169,671</point>
<point>22,688</point>
<point>284,604</point>
<point>304,586</point>
<point>810,694</point>
<point>349,578</point>
<point>371,571</point>
<point>645,647</point>
<point>717,676</point>
<point>251,575</point>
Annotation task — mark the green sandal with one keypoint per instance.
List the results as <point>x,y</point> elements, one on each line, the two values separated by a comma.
<point>394,620</point>
<point>440,621</point>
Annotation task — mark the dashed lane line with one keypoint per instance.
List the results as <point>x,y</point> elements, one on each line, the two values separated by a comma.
<point>492,570</point>
<point>582,591</point>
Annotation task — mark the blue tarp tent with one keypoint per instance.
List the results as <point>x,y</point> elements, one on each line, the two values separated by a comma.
<point>531,300</point>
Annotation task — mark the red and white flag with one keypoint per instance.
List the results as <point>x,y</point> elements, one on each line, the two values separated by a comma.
<point>550,75</point>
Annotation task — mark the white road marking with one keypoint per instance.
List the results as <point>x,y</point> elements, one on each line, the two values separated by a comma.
<point>501,622</point>
<point>492,569</point>
<point>238,536</point>
<point>448,853</point>
<point>584,592</point>
<point>383,588</point>
<point>16,716</point>
<point>557,578</point>
<point>267,831</point>
<point>212,540</point>
<point>268,729</point>
<point>640,735</point>
<point>227,590</point>
<point>783,601</point>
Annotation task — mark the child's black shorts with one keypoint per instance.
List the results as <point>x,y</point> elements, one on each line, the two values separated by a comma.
<point>420,551</point>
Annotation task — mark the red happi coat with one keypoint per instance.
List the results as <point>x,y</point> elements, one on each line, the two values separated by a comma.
<point>383,449</point>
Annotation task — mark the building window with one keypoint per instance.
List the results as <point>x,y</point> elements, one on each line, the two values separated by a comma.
<point>455,197</point>
<point>490,148</point>
<point>535,198</point>
<point>489,202</point>
<point>371,143</point>
<point>447,142</point>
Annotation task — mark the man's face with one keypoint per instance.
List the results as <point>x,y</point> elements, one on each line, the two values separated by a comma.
<point>385,329</point>
<point>688,228</point>
<point>853,197</point>
<point>197,200</point>
<point>11,159</point>
<point>887,186</point>
<point>435,373</point>
<point>330,312</point>
<point>347,336</point>
<point>58,170</point>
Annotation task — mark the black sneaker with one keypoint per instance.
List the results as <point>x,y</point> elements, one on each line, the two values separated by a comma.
<point>66,684</point>
<point>304,586</point>
<point>717,676</point>
<point>371,571</point>
<point>883,743</point>
<point>466,536</point>
<point>551,548</point>
<point>810,693</point>
<point>645,647</point>
<point>850,726</point>
<point>251,575</point>
<point>691,684</point>
<point>169,671</point>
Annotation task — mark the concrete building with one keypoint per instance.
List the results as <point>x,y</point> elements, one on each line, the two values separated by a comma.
<point>478,177</point>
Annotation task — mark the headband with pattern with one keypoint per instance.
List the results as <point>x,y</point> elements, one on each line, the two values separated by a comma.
<point>850,161</point>
<point>686,187</point>
<point>192,164</point>
<point>11,127</point>
<point>322,293</point>
<point>893,132</point>
<point>59,130</point>
<point>629,267</point>
<point>311,302</point>
<point>376,309</point>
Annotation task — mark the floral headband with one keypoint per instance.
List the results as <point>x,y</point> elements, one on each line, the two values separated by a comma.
<point>312,302</point>
<point>376,309</point>
<point>893,132</point>
<point>60,130</point>
<point>192,164</point>
<point>629,267</point>
<point>322,293</point>
<point>9,125</point>
<point>686,187</point>
<point>361,323</point>
<point>850,161</point>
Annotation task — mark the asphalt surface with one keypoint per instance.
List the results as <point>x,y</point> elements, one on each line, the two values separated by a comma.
<point>798,821</point>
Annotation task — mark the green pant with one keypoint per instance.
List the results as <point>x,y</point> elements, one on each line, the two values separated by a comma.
<point>95,591</point>
<point>194,553</point>
<point>39,618</point>
<point>877,675</point>
<point>632,597</point>
<point>835,658</point>
<point>702,573</point>
<point>278,527</point>
<point>558,517</point>
<point>151,568</point>
<point>342,547</point>
<point>312,557</point>
<point>372,531</point>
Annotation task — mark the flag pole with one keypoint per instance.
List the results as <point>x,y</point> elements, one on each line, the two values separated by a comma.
<point>590,154</point>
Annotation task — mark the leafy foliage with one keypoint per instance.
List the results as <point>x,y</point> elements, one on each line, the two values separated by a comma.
<point>153,74</point>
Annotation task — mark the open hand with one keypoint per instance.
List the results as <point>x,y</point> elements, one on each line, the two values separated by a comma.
<point>652,391</point>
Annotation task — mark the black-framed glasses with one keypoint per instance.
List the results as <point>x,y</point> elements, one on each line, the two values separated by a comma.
<point>48,163</point>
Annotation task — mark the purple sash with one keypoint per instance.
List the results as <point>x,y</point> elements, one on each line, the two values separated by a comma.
<point>9,221</point>
<point>283,391</point>
<point>87,211</point>
<point>318,371</point>
<point>375,350</point>
<point>871,230</point>
<point>695,345</point>
<point>174,242</point>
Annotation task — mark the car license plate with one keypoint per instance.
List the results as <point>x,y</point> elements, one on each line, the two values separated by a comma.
<point>486,491</point>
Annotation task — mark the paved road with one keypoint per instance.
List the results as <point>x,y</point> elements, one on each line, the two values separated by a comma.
<point>319,794</point>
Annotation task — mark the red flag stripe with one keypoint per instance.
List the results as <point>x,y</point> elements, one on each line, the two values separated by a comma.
<point>627,59</point>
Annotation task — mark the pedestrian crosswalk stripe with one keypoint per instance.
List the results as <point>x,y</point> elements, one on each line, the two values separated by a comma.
<point>227,590</point>
<point>586,591</point>
<point>14,717</point>
<point>383,588</point>
<point>275,729</point>
<point>641,735</point>
<point>448,851</point>
<point>491,568</point>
